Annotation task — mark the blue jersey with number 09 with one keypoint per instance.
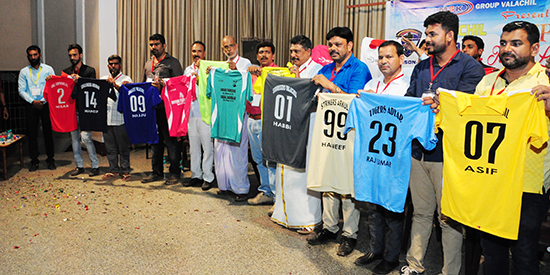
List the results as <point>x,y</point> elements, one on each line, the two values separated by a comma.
<point>137,102</point>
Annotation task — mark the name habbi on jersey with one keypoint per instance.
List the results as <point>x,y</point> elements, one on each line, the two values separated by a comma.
<point>385,126</point>
<point>484,144</point>
<point>330,167</point>
<point>137,103</point>
<point>205,104</point>
<point>57,93</point>
<point>91,100</point>
<point>229,91</point>
<point>285,119</point>
<point>178,96</point>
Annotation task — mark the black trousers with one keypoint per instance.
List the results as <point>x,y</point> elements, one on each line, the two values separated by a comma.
<point>34,115</point>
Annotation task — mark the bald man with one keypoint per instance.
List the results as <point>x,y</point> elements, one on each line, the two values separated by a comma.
<point>231,159</point>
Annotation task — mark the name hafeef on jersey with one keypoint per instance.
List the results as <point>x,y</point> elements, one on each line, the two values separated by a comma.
<point>137,102</point>
<point>385,126</point>
<point>229,90</point>
<point>285,119</point>
<point>57,93</point>
<point>178,96</point>
<point>484,148</point>
<point>330,167</point>
<point>91,100</point>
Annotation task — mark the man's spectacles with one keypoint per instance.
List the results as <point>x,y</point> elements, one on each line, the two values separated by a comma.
<point>112,64</point>
<point>229,46</point>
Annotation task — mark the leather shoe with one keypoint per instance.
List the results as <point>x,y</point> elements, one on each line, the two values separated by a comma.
<point>52,166</point>
<point>206,186</point>
<point>241,197</point>
<point>94,172</point>
<point>385,267</point>
<point>77,171</point>
<point>192,182</point>
<point>346,246</point>
<point>152,178</point>
<point>33,167</point>
<point>322,237</point>
<point>367,259</point>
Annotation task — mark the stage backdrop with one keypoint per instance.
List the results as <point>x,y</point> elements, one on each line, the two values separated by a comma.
<point>480,18</point>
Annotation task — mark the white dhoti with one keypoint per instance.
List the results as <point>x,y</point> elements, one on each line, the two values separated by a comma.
<point>295,206</point>
<point>231,163</point>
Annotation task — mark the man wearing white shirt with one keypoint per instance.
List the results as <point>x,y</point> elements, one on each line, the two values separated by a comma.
<point>199,131</point>
<point>392,82</point>
<point>116,139</point>
<point>237,153</point>
<point>300,55</point>
<point>231,49</point>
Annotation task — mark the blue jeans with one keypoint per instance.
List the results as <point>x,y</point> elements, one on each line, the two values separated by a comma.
<point>379,217</point>
<point>86,137</point>
<point>267,185</point>
<point>525,250</point>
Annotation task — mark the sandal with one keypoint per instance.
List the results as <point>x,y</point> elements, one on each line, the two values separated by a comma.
<point>305,230</point>
<point>126,176</point>
<point>109,176</point>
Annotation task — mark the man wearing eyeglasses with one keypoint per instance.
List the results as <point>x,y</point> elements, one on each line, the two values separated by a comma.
<point>231,49</point>
<point>116,139</point>
<point>236,153</point>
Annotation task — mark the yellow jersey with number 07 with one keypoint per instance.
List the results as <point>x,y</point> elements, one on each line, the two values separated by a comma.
<point>484,148</point>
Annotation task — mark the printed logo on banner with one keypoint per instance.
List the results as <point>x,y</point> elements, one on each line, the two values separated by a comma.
<point>459,7</point>
<point>411,34</point>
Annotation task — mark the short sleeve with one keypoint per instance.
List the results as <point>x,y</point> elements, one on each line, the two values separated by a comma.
<point>351,119</point>
<point>538,124</point>
<point>424,128</point>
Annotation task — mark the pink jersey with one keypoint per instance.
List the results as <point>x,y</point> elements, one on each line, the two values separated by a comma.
<point>62,106</point>
<point>177,97</point>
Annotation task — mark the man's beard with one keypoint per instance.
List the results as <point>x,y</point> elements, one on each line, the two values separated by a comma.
<point>515,63</point>
<point>437,49</point>
<point>230,56</point>
<point>34,62</point>
<point>114,72</point>
<point>75,61</point>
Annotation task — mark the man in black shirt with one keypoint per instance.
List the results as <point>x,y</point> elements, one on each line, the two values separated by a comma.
<point>160,66</point>
<point>76,70</point>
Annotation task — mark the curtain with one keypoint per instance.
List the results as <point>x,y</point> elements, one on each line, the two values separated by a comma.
<point>184,21</point>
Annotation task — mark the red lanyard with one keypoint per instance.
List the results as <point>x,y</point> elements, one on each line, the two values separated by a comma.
<point>377,85</point>
<point>432,68</point>
<point>333,75</point>
<point>239,58</point>
<point>307,66</point>
<point>493,88</point>
<point>118,76</point>
<point>153,63</point>
<point>77,71</point>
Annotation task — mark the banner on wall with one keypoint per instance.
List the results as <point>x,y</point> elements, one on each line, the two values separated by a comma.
<point>478,17</point>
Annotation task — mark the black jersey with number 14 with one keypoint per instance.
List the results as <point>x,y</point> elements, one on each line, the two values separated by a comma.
<point>91,100</point>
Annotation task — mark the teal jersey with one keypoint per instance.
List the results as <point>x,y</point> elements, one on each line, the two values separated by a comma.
<point>229,91</point>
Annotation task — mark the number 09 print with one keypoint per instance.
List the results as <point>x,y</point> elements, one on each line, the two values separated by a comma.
<point>385,126</point>
<point>484,147</point>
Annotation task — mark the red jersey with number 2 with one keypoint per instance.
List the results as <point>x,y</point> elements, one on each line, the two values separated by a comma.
<point>62,106</point>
